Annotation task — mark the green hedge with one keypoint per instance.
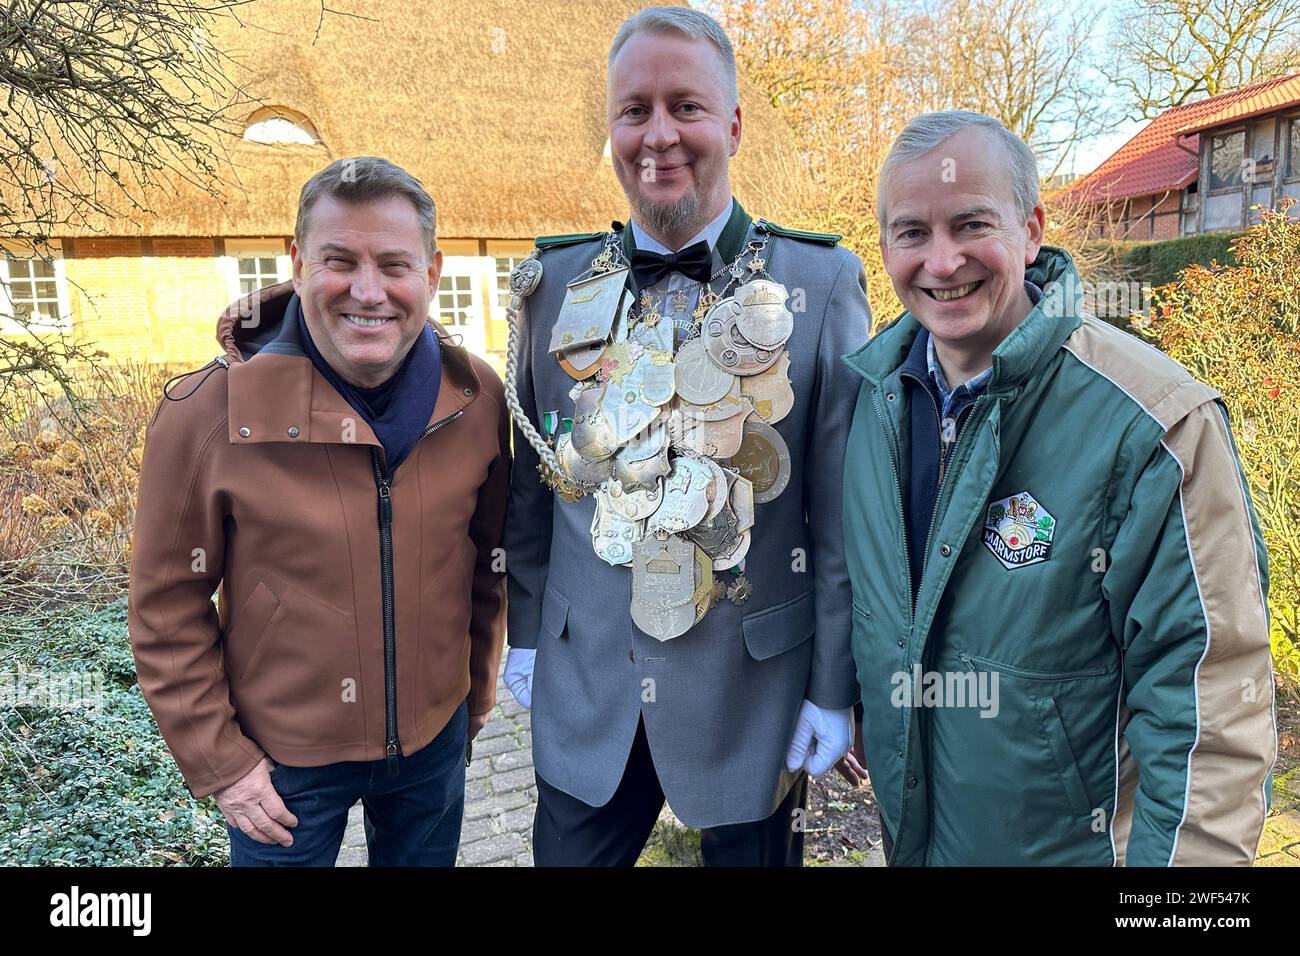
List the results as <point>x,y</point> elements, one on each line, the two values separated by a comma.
<point>91,786</point>
<point>1158,263</point>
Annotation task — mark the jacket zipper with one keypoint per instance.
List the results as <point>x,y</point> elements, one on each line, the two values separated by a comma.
<point>383,485</point>
<point>943,485</point>
<point>892,442</point>
<point>972,662</point>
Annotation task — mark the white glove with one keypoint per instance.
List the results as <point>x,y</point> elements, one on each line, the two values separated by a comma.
<point>821,737</point>
<point>519,674</point>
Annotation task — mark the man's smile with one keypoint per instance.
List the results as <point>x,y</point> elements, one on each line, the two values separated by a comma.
<point>367,321</point>
<point>953,293</point>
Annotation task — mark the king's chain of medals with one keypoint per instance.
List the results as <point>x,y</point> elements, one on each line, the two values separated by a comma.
<point>672,426</point>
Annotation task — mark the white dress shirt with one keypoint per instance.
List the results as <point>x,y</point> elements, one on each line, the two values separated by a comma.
<point>683,321</point>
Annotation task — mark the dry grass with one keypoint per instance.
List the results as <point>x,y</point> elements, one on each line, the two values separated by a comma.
<point>68,481</point>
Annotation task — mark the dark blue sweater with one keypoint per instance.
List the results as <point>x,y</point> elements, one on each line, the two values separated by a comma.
<point>398,411</point>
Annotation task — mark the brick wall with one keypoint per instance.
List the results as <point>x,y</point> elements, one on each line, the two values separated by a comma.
<point>157,300</point>
<point>1167,218</point>
<point>158,308</point>
<point>1142,218</point>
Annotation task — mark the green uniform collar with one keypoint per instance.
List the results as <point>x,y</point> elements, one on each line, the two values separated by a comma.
<point>730,243</point>
<point>1021,353</point>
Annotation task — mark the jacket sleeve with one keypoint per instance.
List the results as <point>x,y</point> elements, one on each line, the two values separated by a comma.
<point>1187,584</point>
<point>487,616</point>
<point>845,325</point>
<point>528,526</point>
<point>177,562</point>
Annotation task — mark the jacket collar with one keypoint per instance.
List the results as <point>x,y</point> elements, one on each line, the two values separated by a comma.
<point>1021,355</point>
<point>730,243</point>
<point>279,396</point>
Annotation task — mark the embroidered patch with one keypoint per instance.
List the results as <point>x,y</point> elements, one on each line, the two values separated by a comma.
<point>1018,530</point>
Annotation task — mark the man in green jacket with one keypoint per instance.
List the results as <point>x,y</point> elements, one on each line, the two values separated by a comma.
<point>1059,584</point>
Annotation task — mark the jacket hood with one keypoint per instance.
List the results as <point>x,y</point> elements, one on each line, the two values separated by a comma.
<point>256,323</point>
<point>274,396</point>
<point>1030,344</point>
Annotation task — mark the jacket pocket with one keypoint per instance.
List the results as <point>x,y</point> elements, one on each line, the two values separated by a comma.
<point>555,613</point>
<point>777,629</point>
<point>250,632</point>
<point>1024,674</point>
<point>1049,719</point>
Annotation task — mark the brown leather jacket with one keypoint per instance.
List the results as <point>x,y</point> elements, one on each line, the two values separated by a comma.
<point>260,479</point>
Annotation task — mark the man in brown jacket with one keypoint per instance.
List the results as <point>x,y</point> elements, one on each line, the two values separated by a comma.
<point>340,472</point>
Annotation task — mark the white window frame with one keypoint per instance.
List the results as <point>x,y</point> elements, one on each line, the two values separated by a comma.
<point>480,271</point>
<point>514,251</point>
<point>60,323</point>
<point>237,249</point>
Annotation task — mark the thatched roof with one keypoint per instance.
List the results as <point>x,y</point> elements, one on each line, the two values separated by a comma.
<point>496,105</point>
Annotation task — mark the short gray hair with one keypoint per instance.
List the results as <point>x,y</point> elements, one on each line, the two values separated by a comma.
<point>362,179</point>
<point>929,130</point>
<point>689,23</point>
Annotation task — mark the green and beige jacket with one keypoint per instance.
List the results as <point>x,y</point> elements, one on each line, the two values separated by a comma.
<point>1084,678</point>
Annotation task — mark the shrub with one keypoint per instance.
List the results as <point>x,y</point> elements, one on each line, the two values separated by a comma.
<point>68,479</point>
<point>90,785</point>
<point>1161,262</point>
<point>1235,328</point>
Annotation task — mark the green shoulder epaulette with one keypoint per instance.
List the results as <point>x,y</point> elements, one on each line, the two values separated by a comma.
<point>554,242</point>
<point>826,238</point>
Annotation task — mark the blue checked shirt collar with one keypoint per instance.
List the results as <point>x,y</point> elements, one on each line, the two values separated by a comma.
<point>954,401</point>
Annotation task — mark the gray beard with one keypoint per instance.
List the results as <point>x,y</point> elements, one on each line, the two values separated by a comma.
<point>668,220</point>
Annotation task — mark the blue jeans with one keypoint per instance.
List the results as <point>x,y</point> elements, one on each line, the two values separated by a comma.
<point>412,820</point>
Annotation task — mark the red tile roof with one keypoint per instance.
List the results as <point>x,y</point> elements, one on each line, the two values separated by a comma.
<point>1163,157</point>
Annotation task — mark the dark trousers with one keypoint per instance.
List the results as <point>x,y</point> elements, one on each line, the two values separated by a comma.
<point>411,820</point>
<point>568,832</point>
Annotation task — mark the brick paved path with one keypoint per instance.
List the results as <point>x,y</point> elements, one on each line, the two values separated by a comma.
<point>500,795</point>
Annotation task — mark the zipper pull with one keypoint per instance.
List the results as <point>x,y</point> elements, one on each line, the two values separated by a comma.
<point>390,769</point>
<point>385,504</point>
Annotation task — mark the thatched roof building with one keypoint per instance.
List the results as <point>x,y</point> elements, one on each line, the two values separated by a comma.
<point>497,107</point>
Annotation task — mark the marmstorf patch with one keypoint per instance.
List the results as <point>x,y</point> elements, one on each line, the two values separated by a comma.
<point>1018,530</point>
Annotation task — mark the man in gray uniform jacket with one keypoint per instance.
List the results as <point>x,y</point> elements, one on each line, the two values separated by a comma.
<point>680,381</point>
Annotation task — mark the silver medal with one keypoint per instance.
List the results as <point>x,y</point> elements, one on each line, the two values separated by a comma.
<point>633,505</point>
<point>700,380</point>
<point>663,584</point>
<point>721,488</point>
<point>641,475</point>
<point>626,413</point>
<point>657,378</point>
<point>612,535</point>
<point>589,311</point>
<point>727,345</point>
<point>733,557</point>
<point>648,443</point>
<point>686,497</point>
<point>593,438</point>
<point>763,318</point>
<point>718,536</point>
<point>741,500</point>
<point>733,403</point>
<point>770,391</point>
<point>719,439</point>
<point>577,467</point>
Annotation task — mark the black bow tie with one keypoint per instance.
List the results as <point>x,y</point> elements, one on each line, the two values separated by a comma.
<point>694,262</point>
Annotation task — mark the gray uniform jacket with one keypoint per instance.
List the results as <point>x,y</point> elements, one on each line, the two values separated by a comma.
<point>720,701</point>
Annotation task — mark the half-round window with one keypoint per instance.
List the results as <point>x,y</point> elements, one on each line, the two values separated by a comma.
<point>280,125</point>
